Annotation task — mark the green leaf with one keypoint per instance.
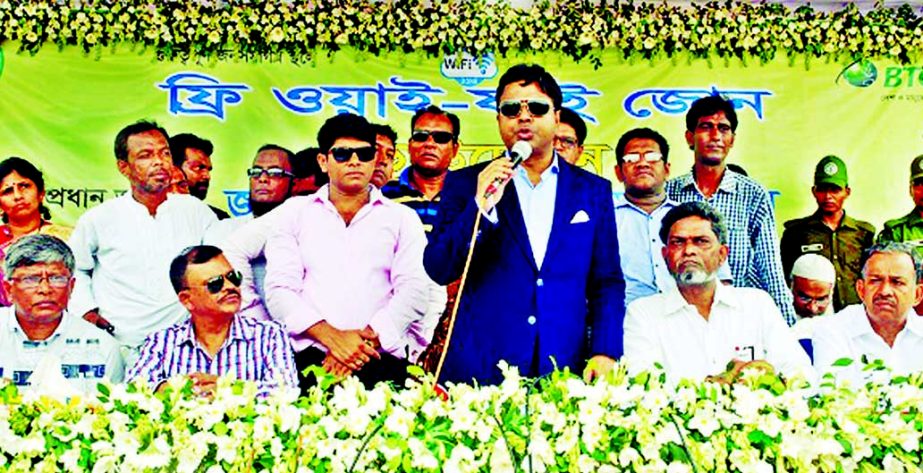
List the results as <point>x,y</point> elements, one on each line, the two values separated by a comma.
<point>843,362</point>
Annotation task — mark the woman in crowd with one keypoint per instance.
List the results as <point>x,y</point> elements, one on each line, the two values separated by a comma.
<point>22,190</point>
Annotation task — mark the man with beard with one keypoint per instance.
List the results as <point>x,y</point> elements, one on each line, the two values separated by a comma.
<point>385,140</point>
<point>698,328</point>
<point>744,203</point>
<point>193,156</point>
<point>829,232</point>
<point>214,340</point>
<point>884,327</point>
<point>270,184</point>
<point>123,246</point>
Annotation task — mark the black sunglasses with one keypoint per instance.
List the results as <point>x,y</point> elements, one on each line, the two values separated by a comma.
<point>512,108</point>
<point>255,172</point>
<point>440,137</point>
<point>215,284</point>
<point>342,155</point>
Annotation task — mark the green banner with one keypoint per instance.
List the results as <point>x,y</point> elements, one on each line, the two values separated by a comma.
<point>62,109</point>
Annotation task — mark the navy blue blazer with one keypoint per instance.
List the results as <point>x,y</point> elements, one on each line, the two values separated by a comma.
<point>510,309</point>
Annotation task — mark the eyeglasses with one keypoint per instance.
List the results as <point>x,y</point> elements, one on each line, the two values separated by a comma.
<point>566,142</point>
<point>512,108</point>
<point>650,157</point>
<point>57,281</point>
<point>440,137</point>
<point>216,284</point>
<point>342,155</point>
<point>255,172</point>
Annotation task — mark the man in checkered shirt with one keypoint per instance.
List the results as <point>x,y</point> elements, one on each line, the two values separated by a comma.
<point>745,204</point>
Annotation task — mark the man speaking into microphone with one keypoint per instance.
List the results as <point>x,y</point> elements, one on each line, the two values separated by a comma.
<point>545,266</point>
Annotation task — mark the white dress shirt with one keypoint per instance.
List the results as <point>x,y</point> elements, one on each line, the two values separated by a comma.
<point>123,256</point>
<point>537,205</point>
<point>744,324</point>
<point>221,230</point>
<point>849,334</point>
<point>244,250</point>
<point>83,353</point>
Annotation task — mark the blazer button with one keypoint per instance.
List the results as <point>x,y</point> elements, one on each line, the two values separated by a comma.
<point>539,282</point>
<point>531,320</point>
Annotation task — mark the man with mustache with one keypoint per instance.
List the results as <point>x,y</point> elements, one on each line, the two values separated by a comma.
<point>123,246</point>
<point>214,340</point>
<point>697,329</point>
<point>884,327</point>
<point>385,139</point>
<point>829,232</point>
<point>545,266</point>
<point>192,155</point>
<point>711,124</point>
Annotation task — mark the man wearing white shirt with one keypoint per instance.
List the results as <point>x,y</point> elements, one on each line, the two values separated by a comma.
<point>124,246</point>
<point>884,327</point>
<point>270,184</point>
<point>39,340</point>
<point>813,279</point>
<point>700,327</point>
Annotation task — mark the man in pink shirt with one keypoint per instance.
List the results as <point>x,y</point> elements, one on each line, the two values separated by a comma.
<point>344,266</point>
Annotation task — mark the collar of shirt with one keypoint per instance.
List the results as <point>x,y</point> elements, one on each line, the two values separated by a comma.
<point>405,182</point>
<point>237,332</point>
<point>913,218</point>
<point>859,325</point>
<point>845,222</point>
<point>21,334</point>
<point>675,302</point>
<point>728,181</point>
<point>322,196</point>
<point>522,176</point>
<point>622,201</point>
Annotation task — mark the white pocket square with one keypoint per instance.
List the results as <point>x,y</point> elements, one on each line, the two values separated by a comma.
<point>580,217</point>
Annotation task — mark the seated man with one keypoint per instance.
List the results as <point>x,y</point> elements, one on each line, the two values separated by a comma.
<point>813,280</point>
<point>344,267</point>
<point>38,331</point>
<point>695,330</point>
<point>215,340</point>
<point>884,326</point>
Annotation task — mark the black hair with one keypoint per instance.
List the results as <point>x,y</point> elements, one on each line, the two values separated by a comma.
<point>191,255</point>
<point>274,147</point>
<point>386,131</point>
<point>344,125</point>
<point>141,126</point>
<point>526,74</point>
<point>27,170</point>
<point>694,209</point>
<point>573,119</point>
<point>305,165</point>
<point>434,110</point>
<point>708,106</point>
<point>643,134</point>
<point>183,141</point>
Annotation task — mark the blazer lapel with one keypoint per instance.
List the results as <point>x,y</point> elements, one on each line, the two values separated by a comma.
<point>510,213</point>
<point>565,196</point>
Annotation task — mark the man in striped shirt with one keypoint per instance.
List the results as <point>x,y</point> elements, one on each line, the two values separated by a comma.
<point>744,203</point>
<point>215,340</point>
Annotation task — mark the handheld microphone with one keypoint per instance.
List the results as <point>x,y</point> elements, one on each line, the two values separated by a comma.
<point>518,153</point>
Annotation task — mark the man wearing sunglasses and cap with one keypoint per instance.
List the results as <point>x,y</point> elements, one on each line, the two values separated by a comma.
<point>344,266</point>
<point>215,340</point>
<point>271,180</point>
<point>545,266</point>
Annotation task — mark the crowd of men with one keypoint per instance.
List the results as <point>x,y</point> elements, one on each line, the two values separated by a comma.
<point>341,267</point>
